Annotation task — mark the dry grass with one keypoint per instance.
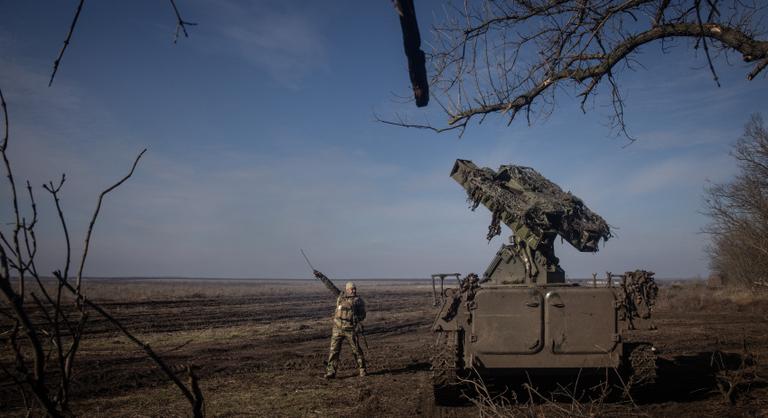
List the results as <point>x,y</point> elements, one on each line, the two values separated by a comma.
<point>697,296</point>
<point>261,345</point>
<point>235,396</point>
<point>565,401</point>
<point>164,289</point>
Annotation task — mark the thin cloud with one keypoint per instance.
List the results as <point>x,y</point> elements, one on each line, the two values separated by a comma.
<point>23,86</point>
<point>655,140</point>
<point>682,172</point>
<point>287,45</point>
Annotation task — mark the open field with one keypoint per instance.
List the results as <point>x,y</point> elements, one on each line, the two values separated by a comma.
<point>259,348</point>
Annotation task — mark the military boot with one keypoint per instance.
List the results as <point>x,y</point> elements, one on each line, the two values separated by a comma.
<point>361,366</point>
<point>329,375</point>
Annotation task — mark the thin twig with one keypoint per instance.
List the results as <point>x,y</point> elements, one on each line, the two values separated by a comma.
<point>66,42</point>
<point>181,24</point>
<point>704,43</point>
<point>758,68</point>
<point>96,214</point>
<point>54,191</point>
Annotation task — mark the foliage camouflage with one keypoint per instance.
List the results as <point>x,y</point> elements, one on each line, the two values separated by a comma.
<point>535,208</point>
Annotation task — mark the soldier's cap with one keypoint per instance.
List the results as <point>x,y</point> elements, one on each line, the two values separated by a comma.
<point>350,285</point>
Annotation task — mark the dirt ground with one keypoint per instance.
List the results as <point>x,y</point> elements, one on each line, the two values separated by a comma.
<point>259,348</point>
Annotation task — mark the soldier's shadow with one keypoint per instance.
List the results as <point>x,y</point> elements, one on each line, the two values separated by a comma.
<point>408,368</point>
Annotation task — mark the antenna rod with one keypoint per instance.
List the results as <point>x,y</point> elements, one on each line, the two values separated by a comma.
<point>307,260</point>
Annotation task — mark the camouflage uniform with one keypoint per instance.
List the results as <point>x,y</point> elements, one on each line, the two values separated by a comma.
<point>349,312</point>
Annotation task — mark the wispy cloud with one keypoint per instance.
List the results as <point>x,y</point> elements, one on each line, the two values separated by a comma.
<point>683,138</point>
<point>688,173</point>
<point>287,44</point>
<point>254,211</point>
<point>687,93</point>
<point>29,88</point>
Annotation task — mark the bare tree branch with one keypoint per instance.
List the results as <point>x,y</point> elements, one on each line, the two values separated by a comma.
<point>181,24</point>
<point>758,68</point>
<point>16,248</point>
<point>513,56</point>
<point>403,123</point>
<point>96,214</point>
<point>36,380</point>
<point>54,191</point>
<point>66,42</point>
<point>181,27</point>
<point>46,336</point>
<point>751,51</point>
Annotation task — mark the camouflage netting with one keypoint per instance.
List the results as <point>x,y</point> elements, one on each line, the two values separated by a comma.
<point>533,207</point>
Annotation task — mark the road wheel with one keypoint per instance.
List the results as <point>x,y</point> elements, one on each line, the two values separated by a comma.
<point>639,366</point>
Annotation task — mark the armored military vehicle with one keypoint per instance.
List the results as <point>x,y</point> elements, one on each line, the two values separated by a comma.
<point>522,316</point>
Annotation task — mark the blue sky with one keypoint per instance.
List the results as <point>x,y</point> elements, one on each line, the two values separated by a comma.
<point>262,139</point>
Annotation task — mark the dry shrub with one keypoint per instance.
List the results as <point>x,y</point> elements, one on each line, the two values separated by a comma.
<point>696,296</point>
<point>735,375</point>
<point>566,401</point>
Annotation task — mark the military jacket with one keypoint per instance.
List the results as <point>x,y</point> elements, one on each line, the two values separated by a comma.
<point>349,311</point>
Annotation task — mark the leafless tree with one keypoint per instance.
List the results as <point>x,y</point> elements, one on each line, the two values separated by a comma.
<point>42,322</point>
<point>513,56</point>
<point>739,213</point>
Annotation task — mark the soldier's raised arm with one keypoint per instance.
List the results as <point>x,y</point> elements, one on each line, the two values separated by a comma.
<point>327,282</point>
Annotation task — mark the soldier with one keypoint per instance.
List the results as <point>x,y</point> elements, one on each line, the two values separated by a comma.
<point>349,313</point>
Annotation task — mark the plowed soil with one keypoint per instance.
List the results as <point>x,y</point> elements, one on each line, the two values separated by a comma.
<point>259,348</point>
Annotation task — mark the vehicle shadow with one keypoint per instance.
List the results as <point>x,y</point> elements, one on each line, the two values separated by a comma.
<point>699,376</point>
<point>683,378</point>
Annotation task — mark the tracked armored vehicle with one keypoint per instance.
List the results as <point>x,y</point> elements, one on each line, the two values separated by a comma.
<point>522,316</point>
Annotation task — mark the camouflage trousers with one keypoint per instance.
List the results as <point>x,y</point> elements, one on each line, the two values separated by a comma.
<point>338,336</point>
